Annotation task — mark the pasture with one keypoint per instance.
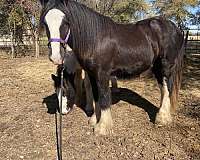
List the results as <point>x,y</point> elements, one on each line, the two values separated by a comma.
<point>27,126</point>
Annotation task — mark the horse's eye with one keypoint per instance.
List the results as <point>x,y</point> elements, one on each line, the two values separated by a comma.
<point>63,45</point>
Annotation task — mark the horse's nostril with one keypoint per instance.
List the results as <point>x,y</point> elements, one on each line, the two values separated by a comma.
<point>56,61</point>
<point>89,111</point>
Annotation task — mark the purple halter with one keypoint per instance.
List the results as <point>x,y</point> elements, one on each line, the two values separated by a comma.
<point>60,40</point>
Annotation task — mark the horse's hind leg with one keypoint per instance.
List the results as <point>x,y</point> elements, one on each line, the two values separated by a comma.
<point>164,117</point>
<point>161,71</point>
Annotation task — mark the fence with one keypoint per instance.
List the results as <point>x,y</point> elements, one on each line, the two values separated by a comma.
<point>193,41</point>
<point>26,45</point>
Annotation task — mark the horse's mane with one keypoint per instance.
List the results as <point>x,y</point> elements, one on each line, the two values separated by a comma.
<point>87,26</point>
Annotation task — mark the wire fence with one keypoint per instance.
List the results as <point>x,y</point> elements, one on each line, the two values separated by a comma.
<point>193,41</point>
<point>23,44</point>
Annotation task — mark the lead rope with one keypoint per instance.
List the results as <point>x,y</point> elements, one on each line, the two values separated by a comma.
<point>59,138</point>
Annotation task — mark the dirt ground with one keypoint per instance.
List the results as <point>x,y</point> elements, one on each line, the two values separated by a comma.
<point>27,126</point>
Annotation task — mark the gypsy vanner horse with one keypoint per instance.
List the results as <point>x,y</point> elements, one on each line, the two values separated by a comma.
<point>104,48</point>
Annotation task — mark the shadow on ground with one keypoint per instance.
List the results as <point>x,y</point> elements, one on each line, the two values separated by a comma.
<point>191,86</point>
<point>123,94</point>
<point>135,99</point>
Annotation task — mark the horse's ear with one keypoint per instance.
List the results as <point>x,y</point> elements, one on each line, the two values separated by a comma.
<point>44,2</point>
<point>56,80</point>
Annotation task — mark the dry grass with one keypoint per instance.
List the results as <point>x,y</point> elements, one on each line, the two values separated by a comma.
<point>27,131</point>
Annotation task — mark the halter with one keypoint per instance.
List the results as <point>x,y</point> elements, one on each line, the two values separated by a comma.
<point>63,41</point>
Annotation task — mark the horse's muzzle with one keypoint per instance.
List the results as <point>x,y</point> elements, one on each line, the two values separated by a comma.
<point>56,60</point>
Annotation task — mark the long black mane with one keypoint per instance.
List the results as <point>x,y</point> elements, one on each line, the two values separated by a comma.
<point>87,27</point>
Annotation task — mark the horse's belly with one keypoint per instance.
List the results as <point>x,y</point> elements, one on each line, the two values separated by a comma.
<point>130,71</point>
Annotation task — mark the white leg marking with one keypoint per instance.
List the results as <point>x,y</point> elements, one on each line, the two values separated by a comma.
<point>93,120</point>
<point>164,115</point>
<point>54,19</point>
<point>83,74</point>
<point>104,126</point>
<point>161,95</point>
<point>65,109</point>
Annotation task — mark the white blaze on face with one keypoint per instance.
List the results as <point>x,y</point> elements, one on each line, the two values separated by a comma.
<point>65,109</point>
<point>53,20</point>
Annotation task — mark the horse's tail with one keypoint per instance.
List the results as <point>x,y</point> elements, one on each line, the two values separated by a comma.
<point>176,77</point>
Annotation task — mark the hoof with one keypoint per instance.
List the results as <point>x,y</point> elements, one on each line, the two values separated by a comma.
<point>93,120</point>
<point>163,119</point>
<point>103,129</point>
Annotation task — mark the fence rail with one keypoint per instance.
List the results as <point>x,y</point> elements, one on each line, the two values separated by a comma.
<point>28,46</point>
<point>193,41</point>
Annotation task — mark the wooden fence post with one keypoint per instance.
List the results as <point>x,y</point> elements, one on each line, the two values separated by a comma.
<point>12,45</point>
<point>186,38</point>
<point>37,46</point>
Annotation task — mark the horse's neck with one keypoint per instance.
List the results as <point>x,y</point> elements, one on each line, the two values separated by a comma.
<point>89,11</point>
<point>87,27</point>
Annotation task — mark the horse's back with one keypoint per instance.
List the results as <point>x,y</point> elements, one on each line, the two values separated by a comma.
<point>167,36</point>
<point>140,44</point>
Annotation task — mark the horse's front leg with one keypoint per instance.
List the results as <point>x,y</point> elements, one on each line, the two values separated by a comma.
<point>89,96</point>
<point>105,123</point>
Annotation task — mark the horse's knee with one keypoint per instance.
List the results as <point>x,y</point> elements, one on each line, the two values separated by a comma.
<point>105,100</point>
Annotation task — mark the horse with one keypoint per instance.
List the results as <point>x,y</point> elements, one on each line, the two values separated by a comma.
<point>76,86</point>
<point>104,48</point>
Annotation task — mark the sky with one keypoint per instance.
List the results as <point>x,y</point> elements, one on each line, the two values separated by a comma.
<point>193,10</point>
<point>190,9</point>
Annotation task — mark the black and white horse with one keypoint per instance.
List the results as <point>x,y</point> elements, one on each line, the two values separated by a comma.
<point>104,48</point>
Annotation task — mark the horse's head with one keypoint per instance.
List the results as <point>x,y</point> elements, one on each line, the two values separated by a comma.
<point>57,28</point>
<point>68,97</point>
<point>69,90</point>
